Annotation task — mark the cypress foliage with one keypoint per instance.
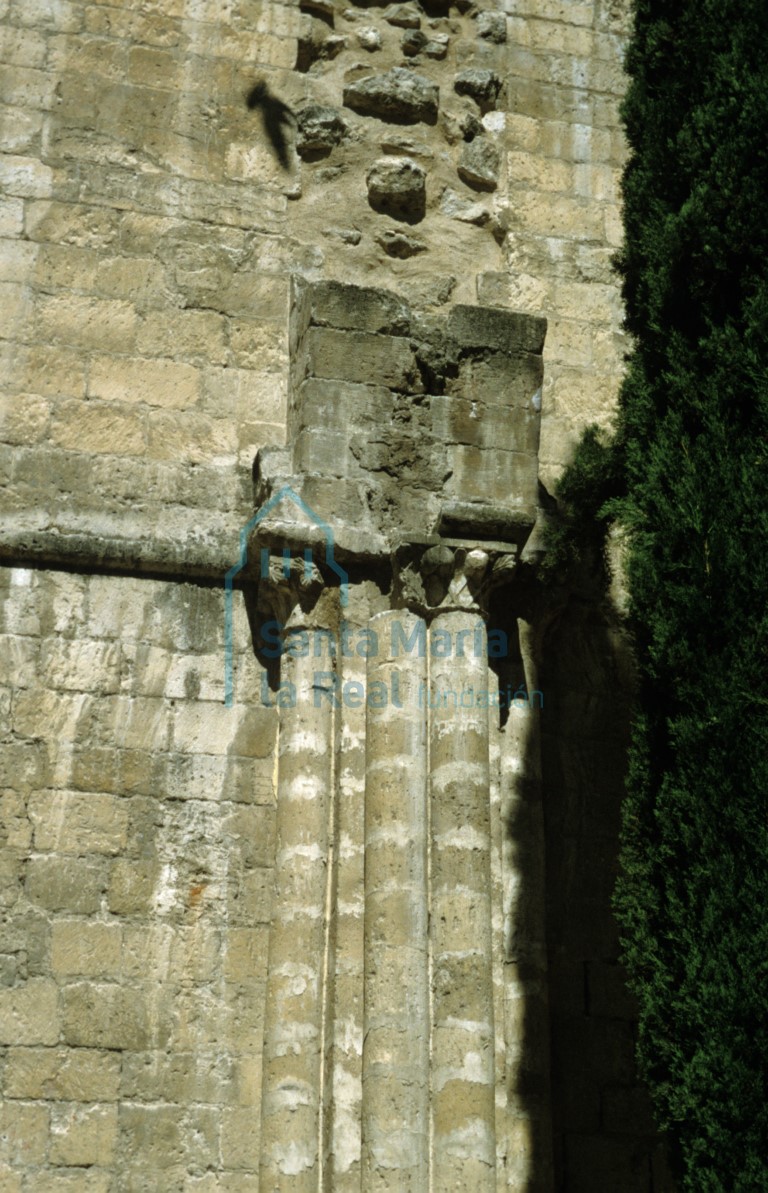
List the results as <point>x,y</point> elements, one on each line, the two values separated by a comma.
<point>692,443</point>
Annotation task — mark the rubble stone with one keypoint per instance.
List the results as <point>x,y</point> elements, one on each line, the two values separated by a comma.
<point>319,130</point>
<point>407,16</point>
<point>400,244</point>
<point>397,186</point>
<point>482,85</point>
<point>398,95</point>
<point>369,38</point>
<point>479,164</point>
<point>492,26</point>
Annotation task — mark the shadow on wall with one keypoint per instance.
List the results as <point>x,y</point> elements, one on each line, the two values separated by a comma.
<point>604,1136</point>
<point>276,117</point>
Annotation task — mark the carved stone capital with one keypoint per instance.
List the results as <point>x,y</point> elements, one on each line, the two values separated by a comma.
<point>441,575</point>
<point>289,591</point>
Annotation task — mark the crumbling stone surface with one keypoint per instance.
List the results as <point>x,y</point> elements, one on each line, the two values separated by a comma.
<point>407,16</point>
<point>413,42</point>
<point>399,244</point>
<point>492,26</point>
<point>479,164</point>
<point>459,428</point>
<point>458,208</point>
<point>397,187</point>
<point>319,130</point>
<point>482,85</point>
<point>437,46</point>
<point>369,38</point>
<point>399,95</point>
<point>348,308</point>
<point>317,44</point>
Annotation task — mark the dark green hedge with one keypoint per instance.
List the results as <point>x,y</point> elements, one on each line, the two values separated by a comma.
<point>692,454</point>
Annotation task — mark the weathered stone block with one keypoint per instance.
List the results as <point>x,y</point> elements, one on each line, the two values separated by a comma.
<point>463,420</point>
<point>29,1014</point>
<point>104,1015</point>
<point>85,949</point>
<point>23,176</point>
<point>499,378</point>
<point>495,476</point>
<point>99,428</point>
<point>76,822</point>
<point>83,1135</point>
<point>482,85</point>
<point>24,1129</point>
<point>361,357</point>
<point>131,886</point>
<point>71,884</point>
<point>240,1138</point>
<point>62,1180</point>
<point>479,164</point>
<point>245,954</point>
<point>68,1074</point>
<point>251,830</point>
<point>397,187</point>
<point>324,451</point>
<point>198,335</point>
<point>338,405</point>
<point>399,95</point>
<point>101,324</point>
<point>400,244</point>
<point>319,130</point>
<point>155,382</point>
<point>407,16</point>
<point>507,331</point>
<point>353,308</point>
<point>153,1135</point>
<point>492,26</point>
<point>81,666</point>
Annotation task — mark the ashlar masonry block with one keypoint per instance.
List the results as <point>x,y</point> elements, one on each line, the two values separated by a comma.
<point>395,421</point>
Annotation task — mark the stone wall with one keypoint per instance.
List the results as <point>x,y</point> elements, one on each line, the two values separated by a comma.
<point>150,230</point>
<point>138,840</point>
<point>151,222</point>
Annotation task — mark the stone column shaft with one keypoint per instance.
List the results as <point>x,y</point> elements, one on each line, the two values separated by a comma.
<point>346,1036</point>
<point>396,1045</point>
<point>463,1093</point>
<point>293,1078</point>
